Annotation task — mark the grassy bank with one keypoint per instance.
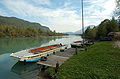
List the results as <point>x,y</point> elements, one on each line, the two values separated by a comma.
<point>101,61</point>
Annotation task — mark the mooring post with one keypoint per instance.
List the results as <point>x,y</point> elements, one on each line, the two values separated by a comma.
<point>43,67</point>
<point>24,62</point>
<point>54,53</point>
<point>57,67</point>
<point>76,50</point>
<point>39,67</point>
<point>85,48</point>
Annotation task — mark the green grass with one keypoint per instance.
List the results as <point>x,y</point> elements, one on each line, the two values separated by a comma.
<point>101,61</point>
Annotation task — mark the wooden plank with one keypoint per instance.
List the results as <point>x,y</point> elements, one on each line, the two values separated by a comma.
<point>52,60</point>
<point>59,57</point>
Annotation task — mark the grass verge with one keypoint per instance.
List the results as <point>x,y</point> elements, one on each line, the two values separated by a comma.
<point>100,61</point>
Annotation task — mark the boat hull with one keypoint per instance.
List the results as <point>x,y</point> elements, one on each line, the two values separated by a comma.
<point>74,46</point>
<point>33,55</point>
<point>30,60</point>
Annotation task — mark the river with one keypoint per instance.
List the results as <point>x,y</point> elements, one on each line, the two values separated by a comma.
<point>12,69</point>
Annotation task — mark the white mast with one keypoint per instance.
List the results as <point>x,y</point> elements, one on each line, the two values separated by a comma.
<point>82,20</point>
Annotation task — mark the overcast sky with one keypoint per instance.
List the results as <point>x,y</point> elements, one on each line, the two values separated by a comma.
<point>59,15</point>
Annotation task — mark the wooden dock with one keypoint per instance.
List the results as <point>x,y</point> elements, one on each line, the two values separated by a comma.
<point>59,57</point>
<point>52,60</point>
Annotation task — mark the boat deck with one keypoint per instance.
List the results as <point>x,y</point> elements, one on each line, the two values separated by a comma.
<point>44,49</point>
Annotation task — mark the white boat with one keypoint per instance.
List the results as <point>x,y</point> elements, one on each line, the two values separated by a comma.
<point>80,44</point>
<point>77,44</point>
<point>33,55</point>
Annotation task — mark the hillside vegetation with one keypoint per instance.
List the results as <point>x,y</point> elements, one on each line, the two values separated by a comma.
<point>14,27</point>
<point>103,29</point>
<point>20,23</point>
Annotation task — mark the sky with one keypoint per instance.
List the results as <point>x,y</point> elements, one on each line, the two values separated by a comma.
<point>59,15</point>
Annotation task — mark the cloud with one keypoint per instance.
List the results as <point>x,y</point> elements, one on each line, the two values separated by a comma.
<point>20,7</point>
<point>42,2</point>
<point>3,12</point>
<point>66,4</point>
<point>100,8</point>
<point>59,19</point>
<point>65,18</point>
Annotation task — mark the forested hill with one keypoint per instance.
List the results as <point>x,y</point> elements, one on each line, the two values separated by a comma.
<point>20,23</point>
<point>14,27</point>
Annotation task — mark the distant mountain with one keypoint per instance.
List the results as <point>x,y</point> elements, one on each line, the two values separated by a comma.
<point>80,31</point>
<point>20,22</point>
<point>77,32</point>
<point>69,32</point>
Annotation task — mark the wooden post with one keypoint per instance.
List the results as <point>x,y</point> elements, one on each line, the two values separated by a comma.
<point>24,62</point>
<point>39,67</point>
<point>57,67</point>
<point>43,67</point>
<point>76,50</point>
<point>54,53</point>
<point>85,48</point>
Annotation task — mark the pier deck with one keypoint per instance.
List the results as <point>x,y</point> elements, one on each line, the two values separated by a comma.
<point>59,57</point>
<point>52,60</point>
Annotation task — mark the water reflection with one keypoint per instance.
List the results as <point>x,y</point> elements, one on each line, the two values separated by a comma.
<point>20,68</point>
<point>9,45</point>
<point>11,69</point>
<point>29,69</point>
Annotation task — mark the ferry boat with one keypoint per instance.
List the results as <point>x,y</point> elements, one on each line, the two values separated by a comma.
<point>33,55</point>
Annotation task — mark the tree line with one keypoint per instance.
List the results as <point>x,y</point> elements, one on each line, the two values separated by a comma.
<point>102,29</point>
<point>14,31</point>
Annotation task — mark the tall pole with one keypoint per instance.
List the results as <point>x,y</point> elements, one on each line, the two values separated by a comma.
<point>82,21</point>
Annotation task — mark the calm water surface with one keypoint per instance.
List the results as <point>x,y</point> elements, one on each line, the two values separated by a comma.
<point>12,69</point>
